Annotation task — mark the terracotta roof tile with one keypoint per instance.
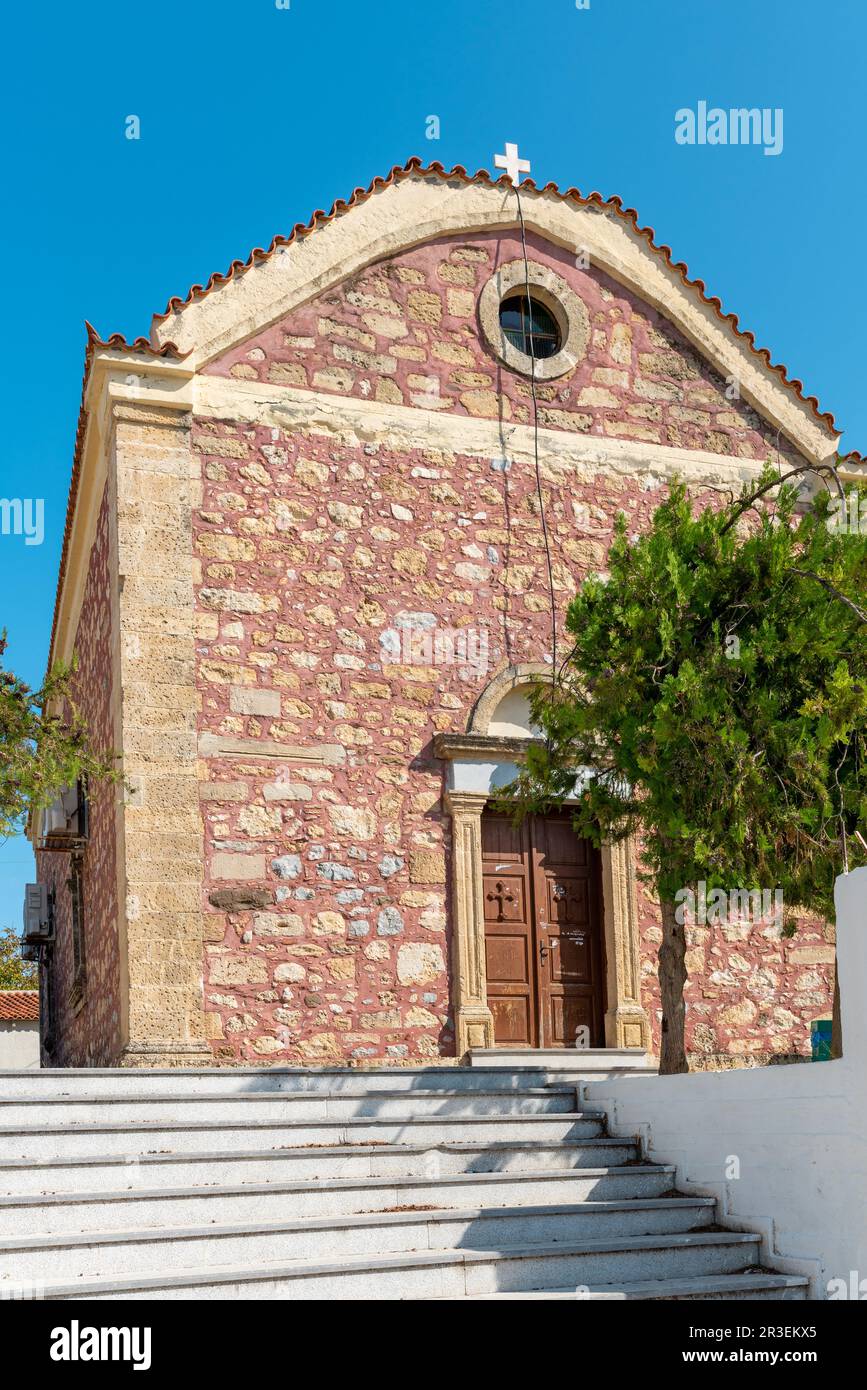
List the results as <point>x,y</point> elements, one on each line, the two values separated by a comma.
<point>19,1005</point>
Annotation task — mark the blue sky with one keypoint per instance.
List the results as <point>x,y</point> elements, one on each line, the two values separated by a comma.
<point>252,116</point>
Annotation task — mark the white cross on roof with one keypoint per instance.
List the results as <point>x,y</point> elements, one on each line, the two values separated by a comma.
<point>513,166</point>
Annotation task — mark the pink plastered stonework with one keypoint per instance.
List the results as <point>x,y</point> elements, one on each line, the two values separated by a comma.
<point>316,561</point>
<point>84,1018</point>
<point>406,331</point>
<point>317,557</point>
<point>751,992</point>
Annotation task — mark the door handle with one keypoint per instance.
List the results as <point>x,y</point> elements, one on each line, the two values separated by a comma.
<point>545,948</point>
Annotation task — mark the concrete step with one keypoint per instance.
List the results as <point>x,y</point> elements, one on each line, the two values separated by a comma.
<point>97,1253</point>
<point>39,1142</point>
<point>133,1109</point>
<point>595,1063</point>
<point>485,1181</point>
<point>227,1081</point>
<point>752,1285</point>
<point>592,1162</point>
<point>437,1273</point>
<point>628,1197</point>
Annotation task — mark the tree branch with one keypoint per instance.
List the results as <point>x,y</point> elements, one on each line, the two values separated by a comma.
<point>747,502</point>
<point>826,584</point>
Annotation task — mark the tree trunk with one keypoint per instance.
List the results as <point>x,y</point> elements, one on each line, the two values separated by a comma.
<point>836,1020</point>
<point>672,978</point>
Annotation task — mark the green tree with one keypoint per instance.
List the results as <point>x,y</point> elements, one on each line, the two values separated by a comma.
<point>716,690</point>
<point>15,973</point>
<point>45,744</point>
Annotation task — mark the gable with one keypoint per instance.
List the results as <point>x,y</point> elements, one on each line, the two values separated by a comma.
<point>417,205</point>
<point>409,331</point>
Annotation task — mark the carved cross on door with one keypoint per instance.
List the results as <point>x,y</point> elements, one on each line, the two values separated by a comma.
<point>501,896</point>
<point>568,895</point>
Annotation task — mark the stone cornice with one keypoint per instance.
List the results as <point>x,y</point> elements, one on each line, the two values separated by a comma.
<point>353,421</point>
<point>138,379</point>
<point>480,746</point>
<point>464,803</point>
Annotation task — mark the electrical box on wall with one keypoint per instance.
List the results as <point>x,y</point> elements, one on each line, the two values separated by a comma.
<point>38,916</point>
<point>63,824</point>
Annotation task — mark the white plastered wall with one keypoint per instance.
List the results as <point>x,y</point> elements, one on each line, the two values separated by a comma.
<point>784,1148</point>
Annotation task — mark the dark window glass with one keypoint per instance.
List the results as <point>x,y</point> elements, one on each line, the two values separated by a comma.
<point>529,326</point>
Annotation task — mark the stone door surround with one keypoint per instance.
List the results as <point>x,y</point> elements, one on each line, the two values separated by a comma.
<point>478,765</point>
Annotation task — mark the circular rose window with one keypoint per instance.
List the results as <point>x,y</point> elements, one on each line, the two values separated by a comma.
<point>530,327</point>
<point>544,333</point>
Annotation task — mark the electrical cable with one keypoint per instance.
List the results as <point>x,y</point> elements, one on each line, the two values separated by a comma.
<point>528,337</point>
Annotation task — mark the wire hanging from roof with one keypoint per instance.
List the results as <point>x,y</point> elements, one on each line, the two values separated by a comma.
<point>528,338</point>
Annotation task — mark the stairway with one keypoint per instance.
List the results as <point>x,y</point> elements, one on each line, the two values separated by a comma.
<point>298,1184</point>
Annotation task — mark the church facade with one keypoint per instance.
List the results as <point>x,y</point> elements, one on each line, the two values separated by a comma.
<point>305,580</point>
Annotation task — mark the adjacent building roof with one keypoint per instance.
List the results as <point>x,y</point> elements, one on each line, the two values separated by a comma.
<point>19,1005</point>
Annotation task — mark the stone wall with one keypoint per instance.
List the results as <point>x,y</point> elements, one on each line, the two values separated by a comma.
<point>87,1028</point>
<point>405,332</point>
<point>326,863</point>
<point>751,993</point>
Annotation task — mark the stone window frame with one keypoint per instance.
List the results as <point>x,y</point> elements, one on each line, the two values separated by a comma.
<point>552,291</point>
<point>627,1024</point>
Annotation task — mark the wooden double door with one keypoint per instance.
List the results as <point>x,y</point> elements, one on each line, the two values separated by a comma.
<point>544,942</point>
